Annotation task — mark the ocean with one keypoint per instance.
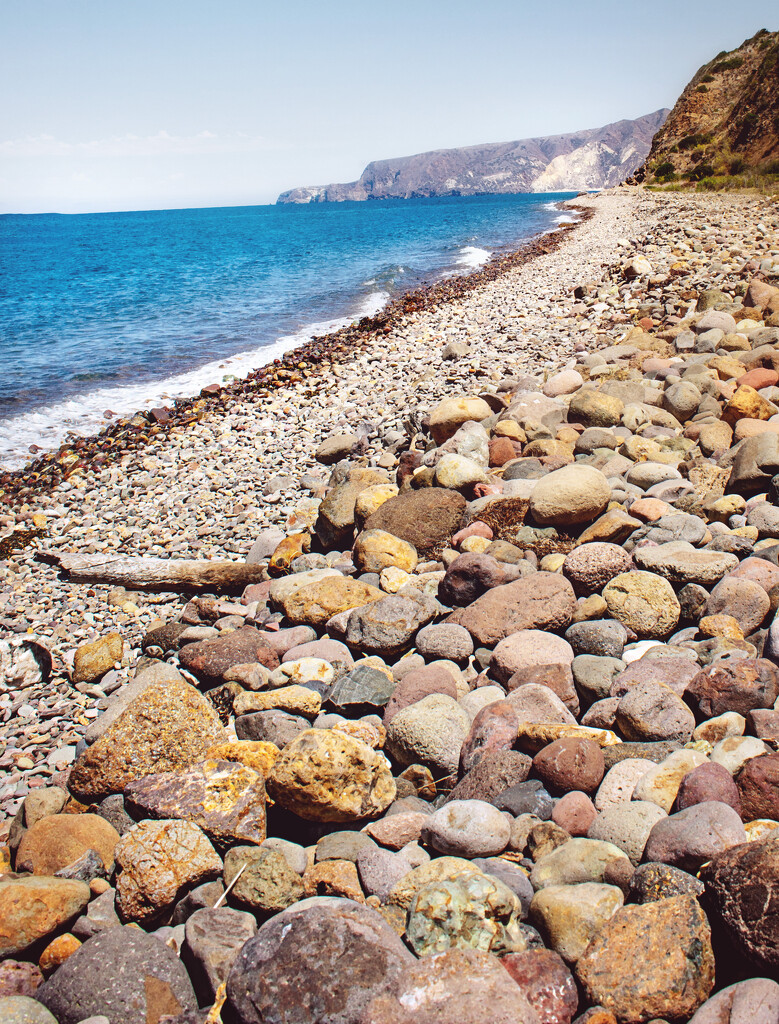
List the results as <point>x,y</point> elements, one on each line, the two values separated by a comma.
<point>115,312</point>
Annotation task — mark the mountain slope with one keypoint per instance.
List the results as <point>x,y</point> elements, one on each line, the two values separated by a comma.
<point>726,120</point>
<point>595,158</point>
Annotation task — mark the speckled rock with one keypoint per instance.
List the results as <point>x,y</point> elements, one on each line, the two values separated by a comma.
<point>546,983</point>
<point>651,961</point>
<point>308,942</point>
<point>56,841</point>
<point>652,882</point>
<point>324,775</point>
<point>590,567</point>
<point>470,912</point>
<point>467,828</point>
<point>543,601</point>
<point>225,799</point>
<point>739,685</point>
<point>166,728</point>
<point>429,732</point>
<point>644,603</point>
<point>267,882</point>
<point>628,826</point>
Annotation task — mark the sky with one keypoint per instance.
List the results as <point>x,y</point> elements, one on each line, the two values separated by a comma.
<point>157,104</point>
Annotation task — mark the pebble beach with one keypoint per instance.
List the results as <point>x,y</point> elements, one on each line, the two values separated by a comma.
<point>493,710</point>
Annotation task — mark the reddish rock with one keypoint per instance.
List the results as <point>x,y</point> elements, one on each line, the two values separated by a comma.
<point>709,781</point>
<point>590,566</point>
<point>759,570</point>
<point>426,518</point>
<point>764,723</point>
<point>497,771</point>
<point>558,678</point>
<point>543,600</point>
<point>495,727</point>
<point>208,660</point>
<point>19,978</point>
<point>575,812</point>
<point>758,787</point>
<point>754,1001</point>
<point>570,764</point>
<point>417,684</point>
<point>742,885</point>
<point>744,599</point>
<point>469,576</point>
<point>460,986</point>
<point>740,684</point>
<point>758,378</point>
<point>503,450</point>
<point>546,983</point>
<point>675,673</point>
<point>693,836</point>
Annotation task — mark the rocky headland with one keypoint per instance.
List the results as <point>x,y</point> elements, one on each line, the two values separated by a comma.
<point>429,676</point>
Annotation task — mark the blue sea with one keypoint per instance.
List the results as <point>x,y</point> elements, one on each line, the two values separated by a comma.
<point>115,312</point>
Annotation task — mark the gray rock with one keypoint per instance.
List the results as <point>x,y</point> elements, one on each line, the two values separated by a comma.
<point>467,828</point>
<point>344,845</point>
<point>387,626</point>
<point>125,974</point>
<point>275,726</point>
<point>603,638</point>
<point>311,943</point>
<point>213,939</point>
<point>380,870</point>
<point>24,1010</point>
<point>445,640</point>
<point>627,825</point>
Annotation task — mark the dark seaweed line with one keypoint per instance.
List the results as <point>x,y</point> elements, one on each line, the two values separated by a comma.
<point>314,357</point>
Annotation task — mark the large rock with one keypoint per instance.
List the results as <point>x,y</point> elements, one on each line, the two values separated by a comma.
<point>589,567</point>
<point>741,685</point>
<point>417,684</point>
<point>450,414</point>
<point>213,939</point>
<point>56,841</point>
<point>387,626</point>
<point>651,961</point>
<point>693,836</point>
<point>467,828</point>
<point>568,496</point>
<point>430,732</point>
<point>644,603</point>
<point>315,603</point>
<point>426,518</point>
<point>125,975</point>
<point>335,523</point>
<point>158,861</point>
<point>569,915</point>
<point>227,800</point>
<point>754,1001</point>
<point>473,911</point>
<point>529,648</point>
<point>292,969</point>
<point>595,409</point>
<point>324,775</point>
<point>543,601</point>
<point>33,908</point>
<point>742,884</point>
<point>208,660</point>
<point>454,987</point>
<point>375,550</point>
<point>578,860</point>
<point>166,728</point>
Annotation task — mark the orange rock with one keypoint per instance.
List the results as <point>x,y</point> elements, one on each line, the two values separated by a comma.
<point>759,377</point>
<point>334,878</point>
<point>721,625</point>
<point>57,952</point>
<point>746,403</point>
<point>650,509</point>
<point>58,840</point>
<point>287,551</point>
<point>257,754</point>
<point>751,428</point>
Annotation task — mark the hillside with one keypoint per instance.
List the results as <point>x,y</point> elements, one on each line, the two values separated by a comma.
<point>594,158</point>
<point>725,121</point>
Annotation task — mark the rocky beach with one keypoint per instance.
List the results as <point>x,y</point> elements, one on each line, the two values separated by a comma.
<point>428,676</point>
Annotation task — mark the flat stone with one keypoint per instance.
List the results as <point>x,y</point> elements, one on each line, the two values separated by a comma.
<point>542,601</point>
<point>681,563</point>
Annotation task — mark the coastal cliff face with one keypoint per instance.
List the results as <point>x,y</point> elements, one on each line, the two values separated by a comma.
<point>725,121</point>
<point>595,158</point>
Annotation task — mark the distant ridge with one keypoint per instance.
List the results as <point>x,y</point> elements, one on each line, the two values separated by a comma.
<point>594,158</point>
<point>726,121</point>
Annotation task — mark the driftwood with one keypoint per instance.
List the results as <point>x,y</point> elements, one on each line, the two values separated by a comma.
<point>160,574</point>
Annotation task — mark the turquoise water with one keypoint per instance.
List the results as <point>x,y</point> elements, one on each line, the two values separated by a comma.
<point>117,311</point>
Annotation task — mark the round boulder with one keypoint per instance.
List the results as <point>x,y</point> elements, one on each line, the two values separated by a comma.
<point>569,496</point>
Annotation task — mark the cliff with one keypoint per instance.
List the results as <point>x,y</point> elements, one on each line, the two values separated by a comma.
<point>726,120</point>
<point>594,158</point>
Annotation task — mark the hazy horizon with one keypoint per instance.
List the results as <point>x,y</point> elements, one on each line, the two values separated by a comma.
<point>173,105</point>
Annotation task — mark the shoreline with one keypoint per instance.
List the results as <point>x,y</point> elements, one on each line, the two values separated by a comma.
<point>131,432</point>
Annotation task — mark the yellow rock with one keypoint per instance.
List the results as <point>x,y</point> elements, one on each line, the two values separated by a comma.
<point>93,660</point>
<point>297,700</point>
<point>508,428</point>
<point>315,603</point>
<point>375,550</point>
<point>370,499</point>
<point>449,415</point>
<point>256,754</point>
<point>476,545</point>
<point>721,625</point>
<point>760,828</point>
<point>727,367</point>
<point>747,403</point>
<point>57,952</point>
<point>533,736</point>
<point>287,551</point>
<point>552,563</point>
<point>392,579</point>
<point>39,520</point>
<point>721,509</point>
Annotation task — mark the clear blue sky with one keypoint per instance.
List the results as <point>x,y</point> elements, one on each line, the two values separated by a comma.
<point>141,104</point>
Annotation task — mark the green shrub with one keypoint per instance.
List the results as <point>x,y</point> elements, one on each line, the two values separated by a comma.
<point>665,171</point>
<point>737,165</point>
<point>701,88</point>
<point>701,171</point>
<point>708,78</point>
<point>728,65</point>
